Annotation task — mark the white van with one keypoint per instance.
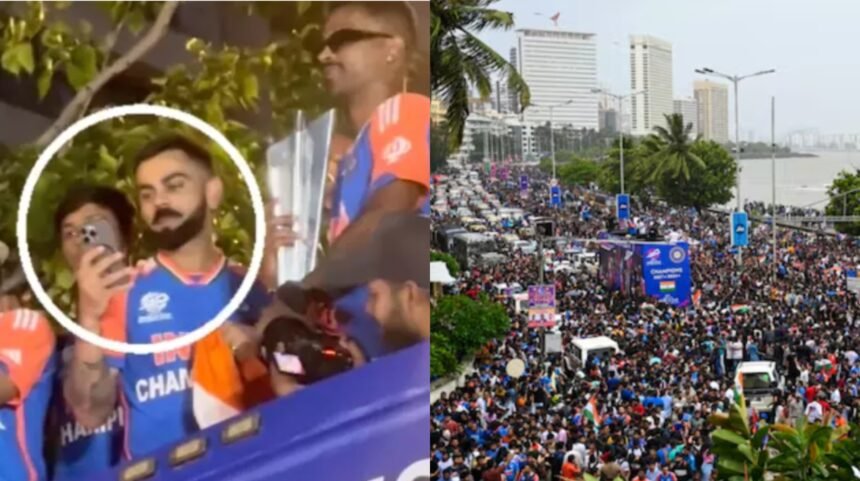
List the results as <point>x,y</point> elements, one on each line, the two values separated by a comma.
<point>760,383</point>
<point>583,349</point>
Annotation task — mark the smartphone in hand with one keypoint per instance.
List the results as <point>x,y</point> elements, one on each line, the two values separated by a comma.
<point>100,232</point>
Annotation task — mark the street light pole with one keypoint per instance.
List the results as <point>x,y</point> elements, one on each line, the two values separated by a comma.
<point>620,99</point>
<point>552,141</point>
<point>773,187</point>
<point>738,155</point>
<point>621,138</point>
<point>735,80</point>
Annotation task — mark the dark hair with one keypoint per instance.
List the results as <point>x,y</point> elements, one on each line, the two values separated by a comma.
<point>102,196</point>
<point>398,14</point>
<point>192,149</point>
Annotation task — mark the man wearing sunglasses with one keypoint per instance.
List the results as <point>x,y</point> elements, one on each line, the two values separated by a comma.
<point>367,57</point>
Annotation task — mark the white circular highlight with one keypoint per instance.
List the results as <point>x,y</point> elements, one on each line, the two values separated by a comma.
<point>256,256</point>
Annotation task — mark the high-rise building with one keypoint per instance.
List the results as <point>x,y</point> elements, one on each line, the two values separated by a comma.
<point>689,110</point>
<point>560,68</point>
<point>609,121</point>
<point>651,76</point>
<point>513,100</point>
<point>713,100</point>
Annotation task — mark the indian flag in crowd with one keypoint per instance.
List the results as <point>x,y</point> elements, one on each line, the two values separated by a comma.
<point>739,388</point>
<point>667,286</point>
<point>740,308</point>
<point>591,411</point>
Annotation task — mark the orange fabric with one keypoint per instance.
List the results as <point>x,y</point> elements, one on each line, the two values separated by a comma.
<point>215,370</point>
<point>569,470</point>
<point>399,139</point>
<point>26,344</point>
<point>189,277</point>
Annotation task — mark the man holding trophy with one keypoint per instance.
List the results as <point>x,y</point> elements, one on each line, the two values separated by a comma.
<point>367,57</point>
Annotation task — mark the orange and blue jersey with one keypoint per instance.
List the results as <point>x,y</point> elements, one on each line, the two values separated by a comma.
<point>164,303</point>
<point>28,358</point>
<point>393,145</point>
<point>81,451</point>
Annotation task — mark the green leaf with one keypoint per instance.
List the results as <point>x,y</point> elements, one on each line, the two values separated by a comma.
<point>64,279</point>
<point>250,87</point>
<point>730,466</point>
<point>18,57</point>
<point>135,21</point>
<point>43,83</point>
<point>107,161</point>
<point>195,45</point>
<point>747,452</point>
<point>82,66</point>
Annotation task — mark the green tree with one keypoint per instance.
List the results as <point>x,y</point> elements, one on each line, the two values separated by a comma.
<point>462,63</point>
<point>844,194</point>
<point>577,170</point>
<point>224,86</point>
<point>451,263</point>
<point>707,185</point>
<point>803,452</point>
<point>741,452</point>
<point>636,171</point>
<point>466,324</point>
<point>670,149</point>
<point>439,147</point>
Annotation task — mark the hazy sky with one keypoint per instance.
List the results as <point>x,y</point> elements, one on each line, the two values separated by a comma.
<point>813,45</point>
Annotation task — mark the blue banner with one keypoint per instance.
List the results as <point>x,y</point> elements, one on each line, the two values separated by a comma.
<point>370,423</point>
<point>740,229</point>
<point>524,182</point>
<point>555,196</point>
<point>622,206</point>
<point>666,272</point>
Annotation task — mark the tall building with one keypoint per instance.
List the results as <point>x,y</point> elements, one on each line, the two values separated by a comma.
<point>559,66</point>
<point>713,100</point>
<point>513,100</point>
<point>689,109</point>
<point>608,121</point>
<point>651,75</point>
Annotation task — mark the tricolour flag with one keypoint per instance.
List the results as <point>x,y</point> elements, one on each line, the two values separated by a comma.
<point>222,386</point>
<point>697,297</point>
<point>738,388</point>
<point>591,411</point>
<point>740,308</point>
<point>667,286</point>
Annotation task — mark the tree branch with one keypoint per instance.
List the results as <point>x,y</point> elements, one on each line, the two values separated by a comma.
<point>109,44</point>
<point>85,95</point>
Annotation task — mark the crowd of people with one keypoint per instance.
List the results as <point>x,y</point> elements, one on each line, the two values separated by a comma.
<point>70,409</point>
<point>642,414</point>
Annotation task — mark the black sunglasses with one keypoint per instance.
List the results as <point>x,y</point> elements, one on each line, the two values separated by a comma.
<point>347,36</point>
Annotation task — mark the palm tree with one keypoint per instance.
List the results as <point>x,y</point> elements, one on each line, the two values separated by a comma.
<point>670,149</point>
<point>460,61</point>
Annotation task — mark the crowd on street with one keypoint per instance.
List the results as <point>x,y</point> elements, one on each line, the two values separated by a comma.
<point>642,414</point>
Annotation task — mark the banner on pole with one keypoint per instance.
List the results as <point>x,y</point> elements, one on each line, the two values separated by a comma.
<point>541,306</point>
<point>622,206</point>
<point>555,196</point>
<point>666,272</point>
<point>740,229</point>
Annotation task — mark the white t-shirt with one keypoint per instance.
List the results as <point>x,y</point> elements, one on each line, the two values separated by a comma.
<point>814,411</point>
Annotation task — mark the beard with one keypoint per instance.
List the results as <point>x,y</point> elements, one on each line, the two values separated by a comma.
<point>169,239</point>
